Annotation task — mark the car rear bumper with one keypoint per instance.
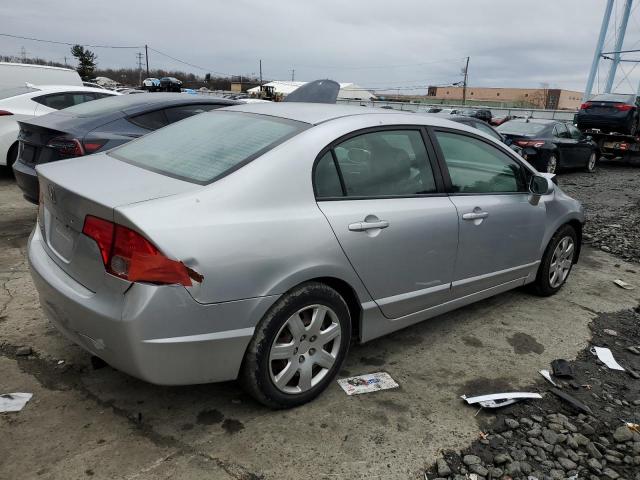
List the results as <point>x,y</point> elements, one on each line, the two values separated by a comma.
<point>27,180</point>
<point>156,333</point>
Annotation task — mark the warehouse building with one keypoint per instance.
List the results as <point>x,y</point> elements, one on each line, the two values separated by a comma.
<point>550,98</point>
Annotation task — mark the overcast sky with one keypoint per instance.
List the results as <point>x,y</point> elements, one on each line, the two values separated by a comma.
<point>375,43</point>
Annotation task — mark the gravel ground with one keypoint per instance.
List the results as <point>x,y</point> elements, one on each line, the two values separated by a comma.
<point>611,198</point>
<point>548,439</point>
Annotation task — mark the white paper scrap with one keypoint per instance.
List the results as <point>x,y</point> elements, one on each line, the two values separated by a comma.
<point>546,374</point>
<point>623,284</point>
<point>372,382</point>
<point>606,357</point>
<point>14,402</point>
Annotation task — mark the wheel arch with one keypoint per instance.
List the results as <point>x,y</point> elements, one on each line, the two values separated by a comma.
<point>13,148</point>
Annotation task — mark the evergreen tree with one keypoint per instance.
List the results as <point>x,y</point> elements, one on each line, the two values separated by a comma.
<point>86,61</point>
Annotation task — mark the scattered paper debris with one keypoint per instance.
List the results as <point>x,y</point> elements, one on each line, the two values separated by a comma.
<point>608,331</point>
<point>623,284</point>
<point>547,375</point>
<point>60,362</point>
<point>634,427</point>
<point>496,400</point>
<point>606,357</point>
<point>371,382</point>
<point>14,402</point>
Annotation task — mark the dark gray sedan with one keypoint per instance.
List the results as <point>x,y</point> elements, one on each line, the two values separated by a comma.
<point>85,129</point>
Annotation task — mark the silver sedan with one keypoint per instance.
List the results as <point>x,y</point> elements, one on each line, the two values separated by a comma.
<point>258,241</point>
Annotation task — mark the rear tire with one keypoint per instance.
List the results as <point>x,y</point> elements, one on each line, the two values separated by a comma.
<point>557,262</point>
<point>591,163</point>
<point>298,347</point>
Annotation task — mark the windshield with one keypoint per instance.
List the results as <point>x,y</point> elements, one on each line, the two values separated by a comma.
<point>613,97</point>
<point>521,128</point>
<point>206,147</point>
<point>12,92</point>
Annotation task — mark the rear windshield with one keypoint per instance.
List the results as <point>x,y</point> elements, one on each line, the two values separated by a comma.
<point>205,147</point>
<point>12,92</point>
<point>102,106</point>
<point>613,97</point>
<point>521,128</point>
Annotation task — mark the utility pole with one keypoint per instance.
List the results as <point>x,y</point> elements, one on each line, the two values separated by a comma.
<point>261,73</point>
<point>146,55</point>
<point>65,60</point>
<point>464,84</point>
<point>619,41</point>
<point>293,75</point>
<point>139,55</point>
<point>598,51</point>
<point>23,54</point>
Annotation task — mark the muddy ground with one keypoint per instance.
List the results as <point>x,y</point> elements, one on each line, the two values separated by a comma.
<point>88,422</point>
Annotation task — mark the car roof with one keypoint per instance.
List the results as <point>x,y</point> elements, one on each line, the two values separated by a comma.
<point>313,113</point>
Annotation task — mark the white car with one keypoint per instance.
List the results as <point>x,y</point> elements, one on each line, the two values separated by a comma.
<point>26,102</point>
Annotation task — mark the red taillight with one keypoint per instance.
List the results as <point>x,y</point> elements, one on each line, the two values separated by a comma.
<point>102,232</point>
<point>91,146</point>
<point>66,147</point>
<point>4,113</point>
<point>623,107</point>
<point>585,106</point>
<point>127,254</point>
<point>530,143</point>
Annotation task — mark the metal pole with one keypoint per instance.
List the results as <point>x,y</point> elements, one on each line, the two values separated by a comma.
<point>260,73</point>
<point>619,41</point>
<point>464,87</point>
<point>598,51</point>
<point>146,56</point>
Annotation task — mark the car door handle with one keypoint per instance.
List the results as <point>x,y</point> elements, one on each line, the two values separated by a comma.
<point>475,215</point>
<point>363,226</point>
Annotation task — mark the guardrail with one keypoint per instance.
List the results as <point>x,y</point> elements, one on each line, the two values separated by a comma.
<point>566,115</point>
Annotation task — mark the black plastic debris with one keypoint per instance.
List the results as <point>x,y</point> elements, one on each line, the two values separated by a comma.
<point>574,402</point>
<point>562,369</point>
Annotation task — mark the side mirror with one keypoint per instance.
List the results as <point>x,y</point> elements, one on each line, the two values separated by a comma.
<point>540,185</point>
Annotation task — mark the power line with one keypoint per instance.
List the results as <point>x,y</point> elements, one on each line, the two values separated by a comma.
<point>65,43</point>
<point>204,69</point>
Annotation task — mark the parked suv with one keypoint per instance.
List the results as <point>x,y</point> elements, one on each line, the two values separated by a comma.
<point>479,113</point>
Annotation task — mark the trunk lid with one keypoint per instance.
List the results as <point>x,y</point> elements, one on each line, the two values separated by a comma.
<point>93,185</point>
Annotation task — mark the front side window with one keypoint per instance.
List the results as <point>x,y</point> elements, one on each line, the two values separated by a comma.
<point>477,167</point>
<point>203,148</point>
<point>385,163</point>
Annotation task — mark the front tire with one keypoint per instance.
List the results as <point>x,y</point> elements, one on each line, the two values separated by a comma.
<point>298,347</point>
<point>557,262</point>
<point>552,164</point>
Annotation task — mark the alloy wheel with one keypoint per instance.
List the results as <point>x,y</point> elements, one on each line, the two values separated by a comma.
<point>305,349</point>
<point>591,165</point>
<point>561,262</point>
<point>552,164</point>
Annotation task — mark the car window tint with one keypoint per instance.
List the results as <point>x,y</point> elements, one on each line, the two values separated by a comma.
<point>488,130</point>
<point>175,114</point>
<point>58,101</point>
<point>385,163</point>
<point>327,180</point>
<point>477,167</point>
<point>574,132</point>
<point>150,120</point>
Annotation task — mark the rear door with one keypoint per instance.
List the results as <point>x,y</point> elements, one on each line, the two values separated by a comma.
<point>566,145</point>
<point>583,147</point>
<point>500,231</point>
<point>382,194</point>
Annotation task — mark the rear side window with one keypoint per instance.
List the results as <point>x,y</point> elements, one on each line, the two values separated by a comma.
<point>203,148</point>
<point>488,130</point>
<point>58,101</point>
<point>476,167</point>
<point>327,179</point>
<point>175,114</point>
<point>150,120</point>
<point>380,164</point>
